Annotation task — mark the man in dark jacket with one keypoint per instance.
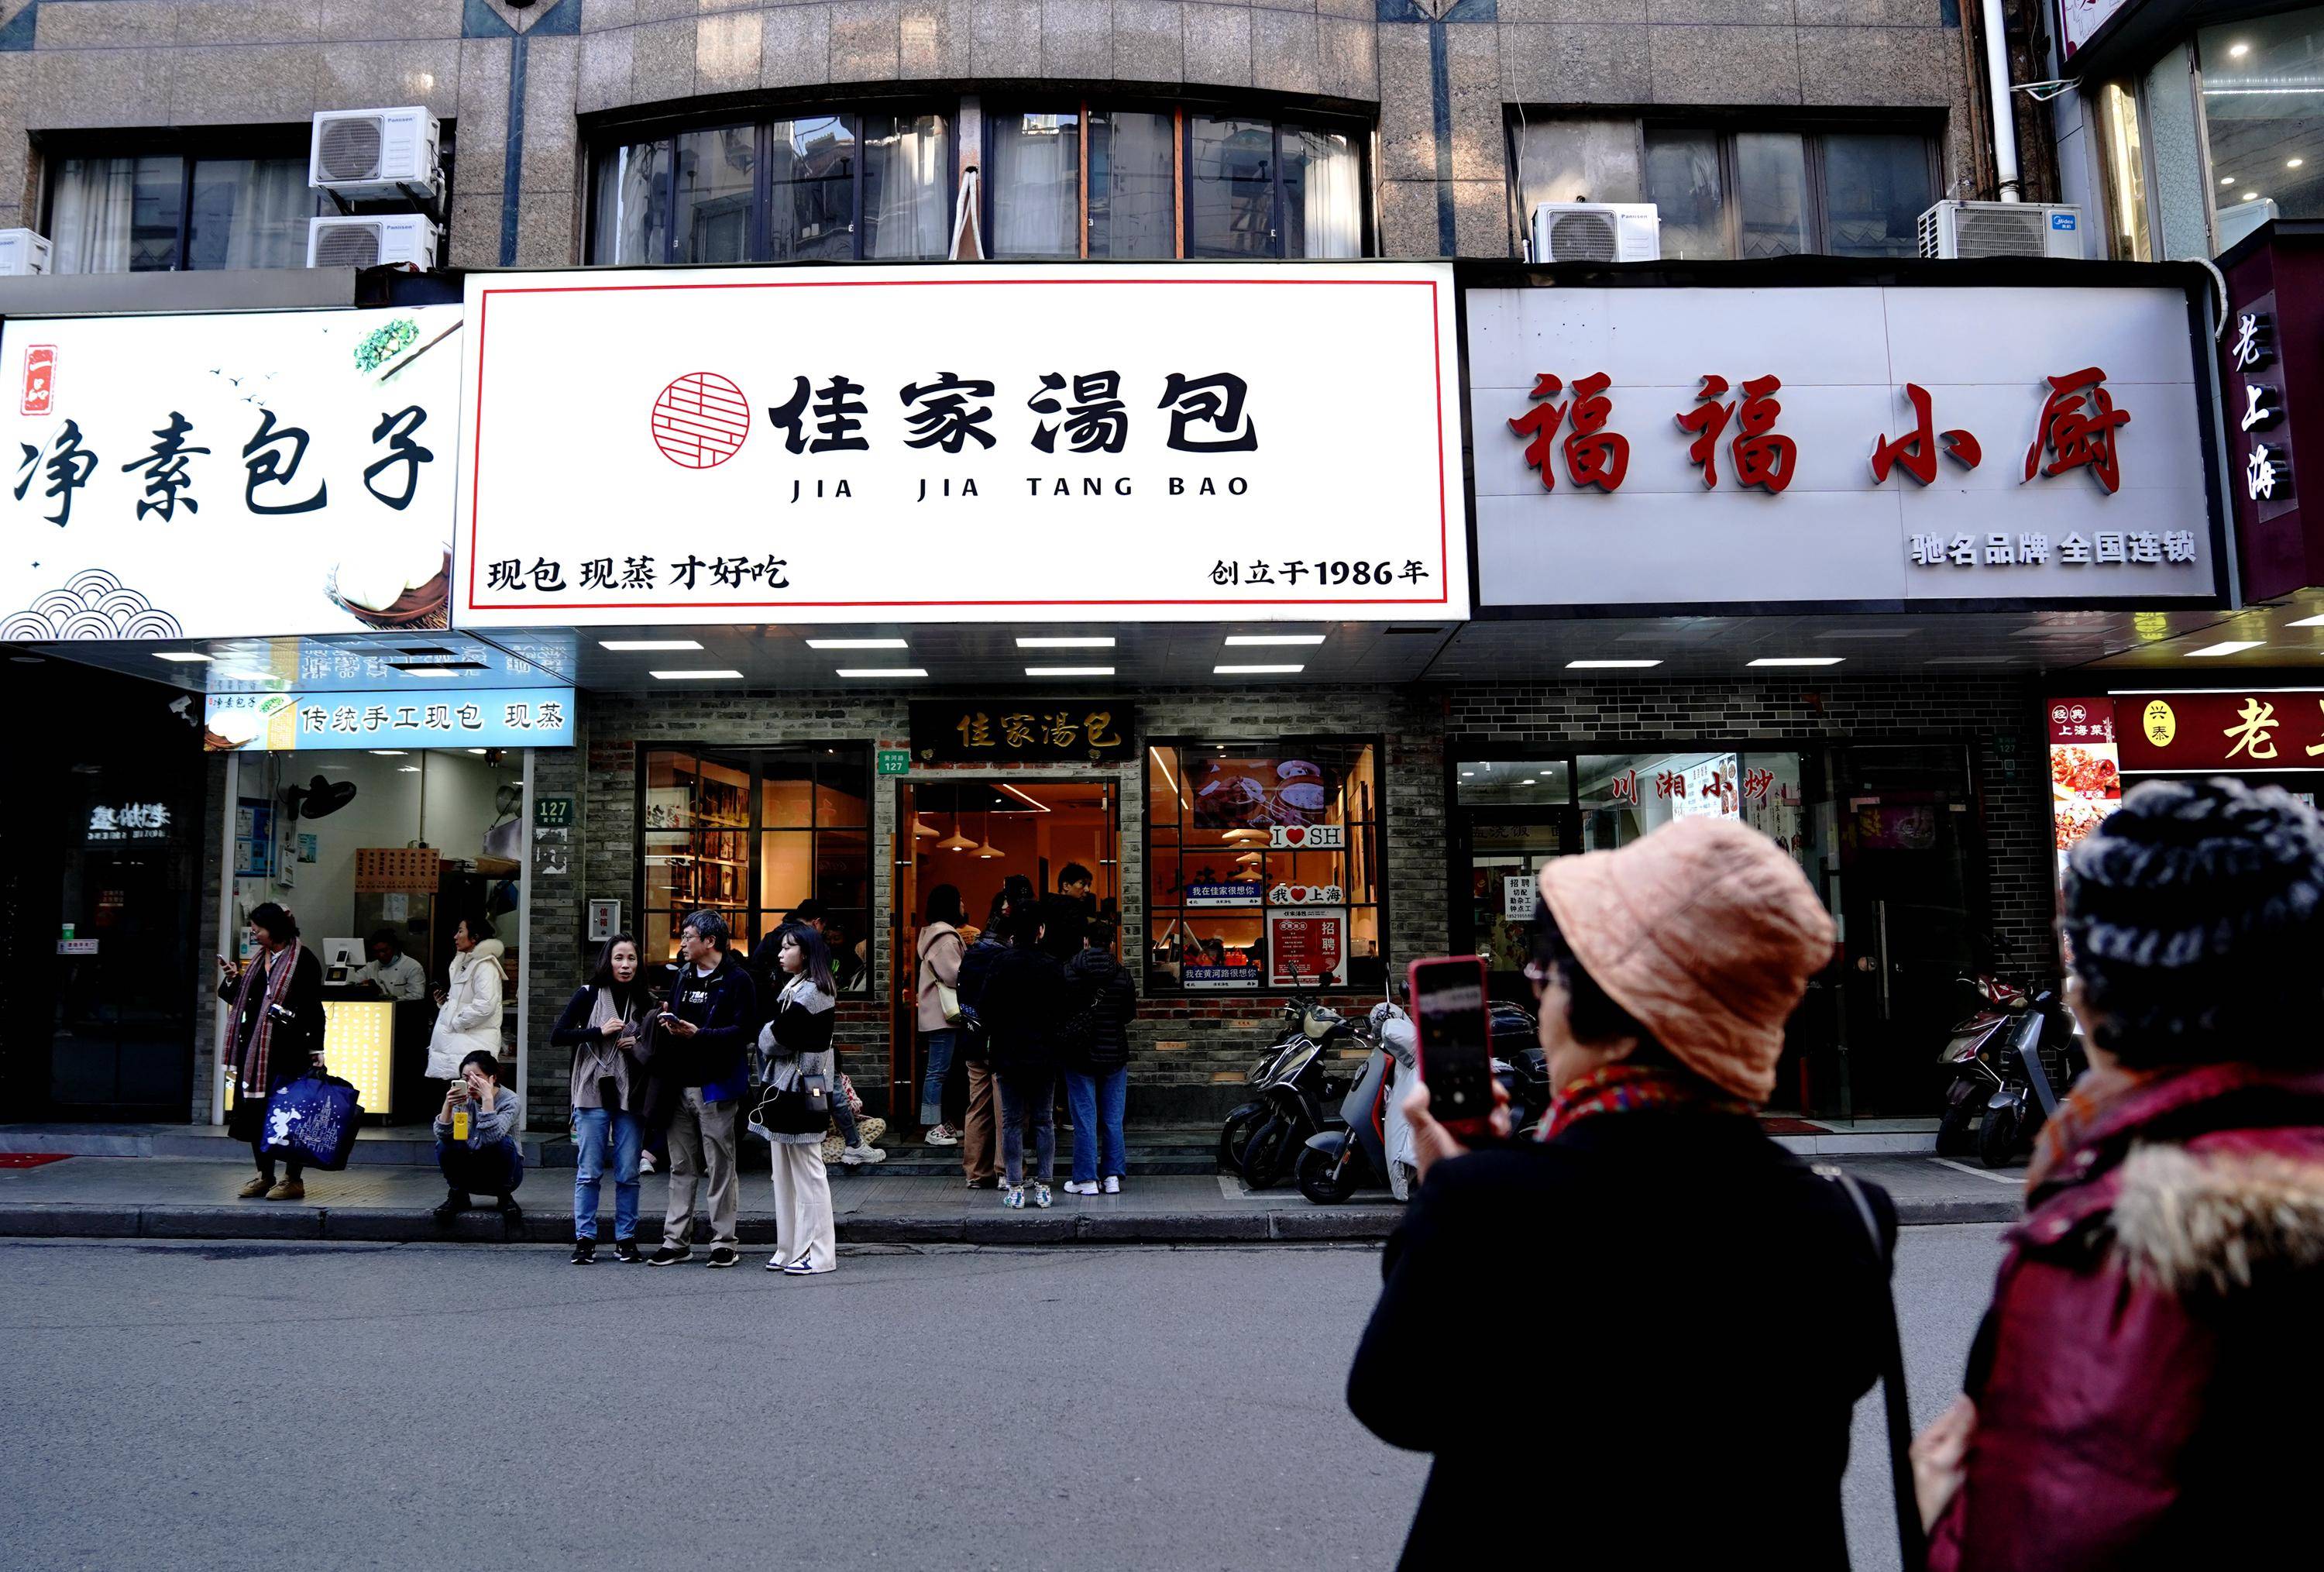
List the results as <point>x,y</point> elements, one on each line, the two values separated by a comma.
<point>980,1139</point>
<point>1067,911</point>
<point>1635,1282</point>
<point>701,1071</point>
<point>1105,1000</point>
<point>1021,1008</point>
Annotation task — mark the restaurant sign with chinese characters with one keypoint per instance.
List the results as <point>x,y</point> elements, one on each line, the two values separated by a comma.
<point>484,717</point>
<point>2232,730</point>
<point>1023,731</point>
<point>249,473</point>
<point>1860,444</point>
<point>1194,442</point>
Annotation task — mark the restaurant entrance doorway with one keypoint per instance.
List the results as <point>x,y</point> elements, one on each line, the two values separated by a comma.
<point>972,834</point>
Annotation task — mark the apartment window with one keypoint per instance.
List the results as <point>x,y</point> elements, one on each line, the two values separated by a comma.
<point>165,213</point>
<point>1072,180</point>
<point>2262,84</point>
<point>2129,238</point>
<point>839,187</point>
<point>1724,192</point>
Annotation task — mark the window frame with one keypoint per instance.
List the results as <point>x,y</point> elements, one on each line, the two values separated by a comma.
<point>1158,982</point>
<point>607,141</point>
<point>1356,134</point>
<point>838,761</point>
<point>1816,190</point>
<point>212,145</point>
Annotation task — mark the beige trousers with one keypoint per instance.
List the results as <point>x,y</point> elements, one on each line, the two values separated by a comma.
<point>701,1142</point>
<point>980,1137</point>
<point>802,1224</point>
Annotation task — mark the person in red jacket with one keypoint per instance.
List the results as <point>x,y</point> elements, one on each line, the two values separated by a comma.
<point>2144,1391</point>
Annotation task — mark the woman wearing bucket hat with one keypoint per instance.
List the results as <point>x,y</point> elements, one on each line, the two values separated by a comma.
<point>1702,1309</point>
<point>2144,1391</point>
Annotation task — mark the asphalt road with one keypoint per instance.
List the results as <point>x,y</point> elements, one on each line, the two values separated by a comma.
<point>252,1407</point>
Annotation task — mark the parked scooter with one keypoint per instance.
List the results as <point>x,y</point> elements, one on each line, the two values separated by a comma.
<point>1363,1147</point>
<point>1261,1139</point>
<point>2009,1062</point>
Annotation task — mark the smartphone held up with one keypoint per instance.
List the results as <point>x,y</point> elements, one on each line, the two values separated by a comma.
<point>1453,1023</point>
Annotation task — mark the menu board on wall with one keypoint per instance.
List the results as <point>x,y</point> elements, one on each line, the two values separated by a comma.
<point>2085,769</point>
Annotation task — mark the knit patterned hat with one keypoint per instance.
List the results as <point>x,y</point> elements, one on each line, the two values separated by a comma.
<point>1707,933</point>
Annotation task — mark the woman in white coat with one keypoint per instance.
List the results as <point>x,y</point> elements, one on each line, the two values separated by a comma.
<point>469,1017</point>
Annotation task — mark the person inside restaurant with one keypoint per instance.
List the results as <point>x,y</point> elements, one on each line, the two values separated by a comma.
<point>391,974</point>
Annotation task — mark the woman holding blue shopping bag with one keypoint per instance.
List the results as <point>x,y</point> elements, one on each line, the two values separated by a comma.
<point>278,1036</point>
<point>605,1025</point>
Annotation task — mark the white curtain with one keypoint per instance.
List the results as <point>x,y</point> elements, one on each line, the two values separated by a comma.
<point>909,215</point>
<point>1334,216</point>
<point>250,212</point>
<point>89,216</point>
<point>1036,183</point>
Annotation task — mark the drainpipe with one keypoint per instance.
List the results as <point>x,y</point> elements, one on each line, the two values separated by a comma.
<point>2005,123</point>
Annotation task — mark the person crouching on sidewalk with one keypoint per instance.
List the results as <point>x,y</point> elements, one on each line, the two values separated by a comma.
<point>475,1141</point>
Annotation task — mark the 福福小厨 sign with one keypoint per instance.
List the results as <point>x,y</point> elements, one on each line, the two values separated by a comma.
<point>198,477</point>
<point>1886,444</point>
<point>862,444</point>
<point>505,717</point>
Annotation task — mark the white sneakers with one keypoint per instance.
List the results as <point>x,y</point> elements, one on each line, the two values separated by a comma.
<point>1076,1188</point>
<point>862,1156</point>
<point>943,1135</point>
<point>1112,1184</point>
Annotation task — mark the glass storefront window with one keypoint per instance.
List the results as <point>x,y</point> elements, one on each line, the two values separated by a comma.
<point>1502,782</point>
<point>752,834</point>
<point>2262,86</point>
<point>1263,863</point>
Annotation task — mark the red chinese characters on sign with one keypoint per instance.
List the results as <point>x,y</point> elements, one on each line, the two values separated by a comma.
<point>1763,457</point>
<point>2078,420</point>
<point>1668,784</point>
<point>1623,787</point>
<point>1594,456</point>
<point>1755,784</point>
<point>1915,452</point>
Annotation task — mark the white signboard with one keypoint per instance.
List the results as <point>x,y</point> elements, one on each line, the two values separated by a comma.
<point>1886,444</point>
<point>2078,22</point>
<point>247,473</point>
<point>1518,894</point>
<point>1197,442</point>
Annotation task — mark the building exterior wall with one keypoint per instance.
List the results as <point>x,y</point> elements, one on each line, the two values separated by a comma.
<point>520,84</point>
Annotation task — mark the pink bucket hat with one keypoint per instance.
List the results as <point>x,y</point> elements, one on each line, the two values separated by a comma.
<point>1707,933</point>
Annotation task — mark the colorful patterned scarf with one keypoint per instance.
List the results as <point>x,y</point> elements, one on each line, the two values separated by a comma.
<point>2078,1112</point>
<point>1618,1089</point>
<point>250,1064</point>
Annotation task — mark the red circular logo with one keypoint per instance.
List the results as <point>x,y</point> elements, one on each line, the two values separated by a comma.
<point>700,420</point>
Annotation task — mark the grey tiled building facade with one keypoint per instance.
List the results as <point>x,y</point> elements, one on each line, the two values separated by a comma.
<point>528,91</point>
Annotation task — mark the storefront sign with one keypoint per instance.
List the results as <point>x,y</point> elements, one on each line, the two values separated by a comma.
<point>76,947</point>
<point>1287,894</point>
<point>127,821</point>
<point>507,717</point>
<point>1222,894</point>
<point>2085,769</point>
<point>1211,979</point>
<point>2271,391</point>
<point>2234,730</point>
<point>1307,837</point>
<point>894,762</point>
<point>1683,447</point>
<point>859,444</point>
<point>198,477</point>
<point>1023,731</point>
<point>2078,22</point>
<point>1519,891</point>
<point>1306,950</point>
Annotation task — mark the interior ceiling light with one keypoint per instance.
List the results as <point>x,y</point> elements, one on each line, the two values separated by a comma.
<point>1068,670</point>
<point>988,851</point>
<point>1067,641</point>
<point>179,657</point>
<point>883,672</point>
<point>857,645</point>
<point>627,645</point>
<point>922,829</point>
<point>1797,661</point>
<point>1255,641</point>
<point>1255,671</point>
<point>695,674</point>
<point>2306,622</point>
<point>2225,647</point>
<point>2293,163</point>
<point>1610,665</point>
<point>2237,51</point>
<point>2227,179</point>
<point>390,753</point>
<point>955,841</point>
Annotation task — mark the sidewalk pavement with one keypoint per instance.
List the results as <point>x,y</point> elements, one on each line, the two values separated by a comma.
<point>178,1198</point>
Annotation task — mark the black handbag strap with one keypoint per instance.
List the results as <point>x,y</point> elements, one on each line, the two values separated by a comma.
<point>1912,1540</point>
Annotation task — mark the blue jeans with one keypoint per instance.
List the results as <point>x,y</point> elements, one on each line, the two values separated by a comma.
<point>1025,1100</point>
<point>491,1171</point>
<point>592,1127</point>
<point>1096,1102</point>
<point>939,1066</point>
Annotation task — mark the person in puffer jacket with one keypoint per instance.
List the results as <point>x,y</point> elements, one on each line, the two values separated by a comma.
<point>2142,1392</point>
<point>1096,1052</point>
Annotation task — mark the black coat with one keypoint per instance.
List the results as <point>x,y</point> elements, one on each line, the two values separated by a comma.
<point>976,963</point>
<point>1102,986</point>
<point>1638,1344</point>
<point>291,1049</point>
<point>1022,1006</point>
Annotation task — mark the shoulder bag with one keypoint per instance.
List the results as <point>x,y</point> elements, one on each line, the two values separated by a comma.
<point>1912,1539</point>
<point>801,1108</point>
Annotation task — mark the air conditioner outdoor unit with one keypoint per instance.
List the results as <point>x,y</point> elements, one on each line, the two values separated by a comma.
<point>376,154</point>
<point>1960,229</point>
<point>22,252</point>
<point>384,240</point>
<point>1597,232</point>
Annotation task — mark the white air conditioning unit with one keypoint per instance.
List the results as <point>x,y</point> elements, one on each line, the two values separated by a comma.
<point>1597,232</point>
<point>1960,229</point>
<point>376,154</point>
<point>384,240</point>
<point>22,252</point>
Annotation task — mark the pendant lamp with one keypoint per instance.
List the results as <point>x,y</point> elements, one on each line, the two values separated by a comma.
<point>988,851</point>
<point>955,841</point>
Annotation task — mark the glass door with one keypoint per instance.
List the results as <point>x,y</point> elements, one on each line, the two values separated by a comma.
<point>1513,816</point>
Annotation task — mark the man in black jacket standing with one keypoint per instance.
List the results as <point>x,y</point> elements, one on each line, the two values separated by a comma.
<point>1652,1264</point>
<point>701,1073</point>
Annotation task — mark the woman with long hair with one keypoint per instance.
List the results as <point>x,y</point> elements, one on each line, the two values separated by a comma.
<point>940,949</point>
<point>795,1044</point>
<point>605,1024</point>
